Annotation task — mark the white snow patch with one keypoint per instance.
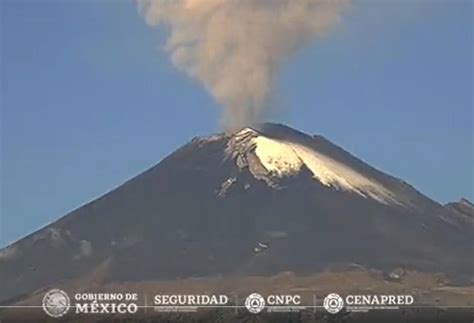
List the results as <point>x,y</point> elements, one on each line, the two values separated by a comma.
<point>277,157</point>
<point>244,132</point>
<point>86,248</point>
<point>283,158</point>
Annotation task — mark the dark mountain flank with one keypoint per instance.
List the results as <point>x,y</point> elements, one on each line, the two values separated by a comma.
<point>260,201</point>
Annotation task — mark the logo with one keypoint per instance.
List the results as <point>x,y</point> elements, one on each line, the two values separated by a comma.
<point>187,303</point>
<point>333,303</point>
<point>255,303</point>
<point>56,303</point>
<point>106,303</point>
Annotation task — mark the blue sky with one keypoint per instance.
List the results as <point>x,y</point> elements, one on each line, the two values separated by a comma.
<point>89,100</point>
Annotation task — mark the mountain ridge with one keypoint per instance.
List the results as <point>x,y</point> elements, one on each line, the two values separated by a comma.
<point>201,208</point>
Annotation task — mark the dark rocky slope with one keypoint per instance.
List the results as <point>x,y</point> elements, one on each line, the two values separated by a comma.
<point>204,209</point>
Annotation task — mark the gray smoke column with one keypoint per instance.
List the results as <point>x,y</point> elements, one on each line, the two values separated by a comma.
<point>234,47</point>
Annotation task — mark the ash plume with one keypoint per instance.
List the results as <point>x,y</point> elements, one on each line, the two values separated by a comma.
<point>234,47</point>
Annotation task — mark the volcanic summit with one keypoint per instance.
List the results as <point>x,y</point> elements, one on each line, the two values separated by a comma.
<point>260,201</point>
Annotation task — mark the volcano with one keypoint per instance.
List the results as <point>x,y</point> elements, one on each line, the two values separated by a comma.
<point>260,201</point>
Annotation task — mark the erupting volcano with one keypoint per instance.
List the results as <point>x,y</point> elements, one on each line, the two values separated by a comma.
<point>260,201</point>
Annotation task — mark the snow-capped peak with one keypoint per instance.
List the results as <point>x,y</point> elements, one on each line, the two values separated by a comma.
<point>281,158</point>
